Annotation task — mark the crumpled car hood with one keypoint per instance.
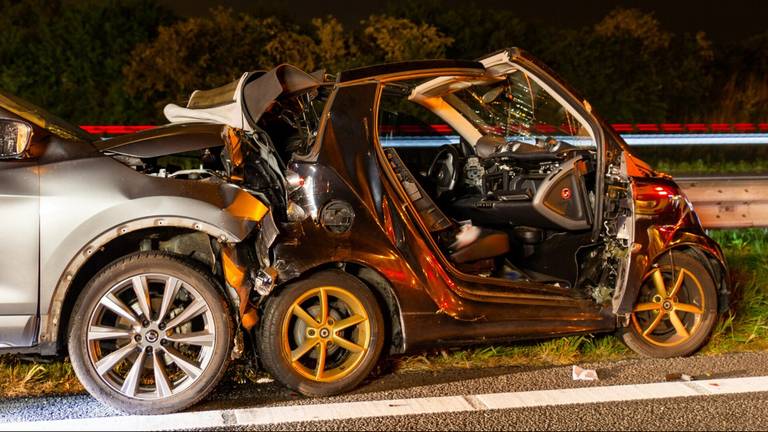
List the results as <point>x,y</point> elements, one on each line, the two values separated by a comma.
<point>165,140</point>
<point>240,104</point>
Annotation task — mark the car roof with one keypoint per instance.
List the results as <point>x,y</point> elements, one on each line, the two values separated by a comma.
<point>404,68</point>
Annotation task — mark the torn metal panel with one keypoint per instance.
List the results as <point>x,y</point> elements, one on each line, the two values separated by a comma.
<point>241,103</point>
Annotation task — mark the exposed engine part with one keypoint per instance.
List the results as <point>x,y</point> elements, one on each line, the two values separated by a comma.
<point>192,174</point>
<point>613,256</point>
<point>263,170</point>
<point>196,245</point>
<point>548,167</point>
<point>614,174</point>
<point>264,280</point>
<point>623,232</point>
<point>602,294</point>
<point>474,172</point>
<point>239,347</point>
<point>295,212</point>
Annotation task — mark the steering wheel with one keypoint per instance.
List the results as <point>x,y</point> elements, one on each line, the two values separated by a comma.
<point>444,170</point>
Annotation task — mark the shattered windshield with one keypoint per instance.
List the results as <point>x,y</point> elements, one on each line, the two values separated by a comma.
<point>517,108</point>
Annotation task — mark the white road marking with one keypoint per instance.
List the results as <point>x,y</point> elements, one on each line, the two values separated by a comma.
<point>399,407</point>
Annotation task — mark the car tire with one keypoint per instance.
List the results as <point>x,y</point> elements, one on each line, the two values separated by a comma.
<point>332,361</point>
<point>664,326</point>
<point>172,358</point>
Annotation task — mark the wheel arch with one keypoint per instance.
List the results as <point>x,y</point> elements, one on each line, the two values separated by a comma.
<point>382,289</point>
<point>710,256</point>
<point>114,244</point>
<point>714,263</point>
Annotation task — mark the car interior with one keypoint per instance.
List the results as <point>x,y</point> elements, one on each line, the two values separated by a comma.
<point>505,184</point>
<point>500,170</point>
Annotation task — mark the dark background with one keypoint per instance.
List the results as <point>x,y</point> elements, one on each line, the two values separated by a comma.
<point>121,61</point>
<point>722,20</point>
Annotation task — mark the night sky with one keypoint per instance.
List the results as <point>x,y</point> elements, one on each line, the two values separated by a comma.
<point>723,21</point>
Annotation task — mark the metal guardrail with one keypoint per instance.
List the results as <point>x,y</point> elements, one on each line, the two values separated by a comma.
<point>634,140</point>
<point>728,202</point>
<point>640,140</point>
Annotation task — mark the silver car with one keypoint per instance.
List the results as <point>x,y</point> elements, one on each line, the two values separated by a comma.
<point>125,266</point>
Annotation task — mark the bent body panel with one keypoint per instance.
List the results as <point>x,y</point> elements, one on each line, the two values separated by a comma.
<point>88,199</point>
<point>670,226</point>
<point>20,203</point>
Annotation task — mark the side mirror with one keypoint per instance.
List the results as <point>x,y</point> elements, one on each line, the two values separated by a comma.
<point>15,137</point>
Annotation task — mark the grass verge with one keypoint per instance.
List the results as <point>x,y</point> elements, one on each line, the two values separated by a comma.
<point>743,328</point>
<point>19,377</point>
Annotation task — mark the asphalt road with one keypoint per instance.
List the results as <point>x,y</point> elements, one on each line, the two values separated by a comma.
<point>738,411</point>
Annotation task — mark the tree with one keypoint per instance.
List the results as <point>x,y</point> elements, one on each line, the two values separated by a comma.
<point>201,53</point>
<point>109,61</point>
<point>741,85</point>
<point>633,23</point>
<point>476,31</point>
<point>336,48</point>
<point>207,52</point>
<point>631,69</point>
<point>399,39</point>
<point>68,57</point>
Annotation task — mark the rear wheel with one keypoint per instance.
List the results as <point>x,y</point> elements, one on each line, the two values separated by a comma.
<point>150,334</point>
<point>676,309</point>
<point>322,335</point>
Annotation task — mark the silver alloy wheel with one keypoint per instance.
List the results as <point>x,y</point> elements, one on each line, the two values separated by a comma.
<point>151,336</point>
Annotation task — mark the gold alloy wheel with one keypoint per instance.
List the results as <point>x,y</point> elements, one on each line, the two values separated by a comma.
<point>669,315</point>
<point>326,333</point>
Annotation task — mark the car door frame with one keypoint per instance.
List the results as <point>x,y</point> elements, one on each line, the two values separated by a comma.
<point>495,299</point>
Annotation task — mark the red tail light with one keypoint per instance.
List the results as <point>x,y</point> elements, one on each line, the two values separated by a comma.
<point>654,198</point>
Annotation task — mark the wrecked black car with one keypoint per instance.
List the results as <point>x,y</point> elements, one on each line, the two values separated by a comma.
<point>413,205</point>
<point>450,202</point>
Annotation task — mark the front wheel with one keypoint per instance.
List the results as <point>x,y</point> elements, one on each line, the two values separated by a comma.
<point>323,335</point>
<point>676,309</point>
<point>150,334</point>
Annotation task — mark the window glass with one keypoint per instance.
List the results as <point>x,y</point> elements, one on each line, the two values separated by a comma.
<point>403,123</point>
<point>517,108</point>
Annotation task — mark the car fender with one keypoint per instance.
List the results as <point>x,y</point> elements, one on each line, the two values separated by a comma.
<point>222,211</point>
<point>662,243</point>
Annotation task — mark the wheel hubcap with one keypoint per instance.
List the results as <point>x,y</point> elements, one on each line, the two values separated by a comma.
<point>151,336</point>
<point>326,334</point>
<point>670,308</point>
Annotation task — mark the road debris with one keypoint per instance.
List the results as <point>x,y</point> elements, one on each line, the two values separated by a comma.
<point>678,377</point>
<point>581,374</point>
